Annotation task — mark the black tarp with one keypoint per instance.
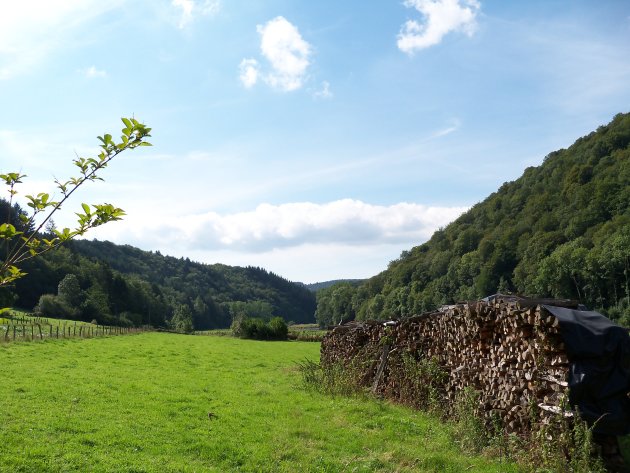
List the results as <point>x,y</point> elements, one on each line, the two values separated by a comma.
<point>599,373</point>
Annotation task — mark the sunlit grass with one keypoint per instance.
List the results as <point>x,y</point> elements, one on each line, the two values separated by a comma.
<point>173,403</point>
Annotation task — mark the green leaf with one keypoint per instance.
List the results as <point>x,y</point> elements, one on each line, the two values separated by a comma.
<point>8,231</point>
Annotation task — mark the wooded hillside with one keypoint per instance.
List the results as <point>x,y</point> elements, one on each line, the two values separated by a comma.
<point>120,284</point>
<point>561,230</point>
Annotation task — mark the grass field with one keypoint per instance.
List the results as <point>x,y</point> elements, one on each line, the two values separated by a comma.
<point>159,402</point>
<point>20,325</point>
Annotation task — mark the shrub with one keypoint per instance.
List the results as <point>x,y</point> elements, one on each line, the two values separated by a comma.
<point>182,319</point>
<point>469,427</point>
<point>130,318</point>
<point>52,306</point>
<point>258,329</point>
<point>422,383</point>
<point>333,379</point>
<point>278,328</point>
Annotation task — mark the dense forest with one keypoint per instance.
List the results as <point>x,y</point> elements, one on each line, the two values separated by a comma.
<point>318,286</point>
<point>561,230</point>
<point>113,284</point>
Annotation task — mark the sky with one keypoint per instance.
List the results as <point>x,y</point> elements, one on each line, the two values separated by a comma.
<point>316,139</point>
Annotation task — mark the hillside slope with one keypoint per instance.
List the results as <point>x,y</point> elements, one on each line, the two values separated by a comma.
<point>561,230</point>
<point>123,284</point>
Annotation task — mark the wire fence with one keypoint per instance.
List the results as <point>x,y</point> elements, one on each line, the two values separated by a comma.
<point>23,328</point>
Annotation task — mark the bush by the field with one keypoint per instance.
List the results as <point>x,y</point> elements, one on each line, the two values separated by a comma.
<point>260,329</point>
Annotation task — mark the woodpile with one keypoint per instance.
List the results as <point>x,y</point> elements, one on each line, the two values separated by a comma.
<point>509,350</point>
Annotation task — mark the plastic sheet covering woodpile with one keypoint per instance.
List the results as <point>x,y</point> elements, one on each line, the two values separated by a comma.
<point>526,358</point>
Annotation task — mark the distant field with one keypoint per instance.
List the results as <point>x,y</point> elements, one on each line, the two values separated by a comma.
<point>159,402</point>
<point>306,332</point>
<point>300,332</point>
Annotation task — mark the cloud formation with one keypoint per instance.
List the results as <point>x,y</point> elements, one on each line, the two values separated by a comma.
<point>249,71</point>
<point>342,222</point>
<point>324,92</point>
<point>287,54</point>
<point>189,8</point>
<point>440,18</point>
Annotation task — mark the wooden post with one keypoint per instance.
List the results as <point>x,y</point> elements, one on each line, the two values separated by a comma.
<point>381,368</point>
<point>41,336</point>
<point>14,333</point>
<point>32,332</point>
<point>57,331</point>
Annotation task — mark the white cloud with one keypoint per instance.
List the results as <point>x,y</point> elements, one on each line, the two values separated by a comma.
<point>286,52</point>
<point>31,29</point>
<point>324,92</point>
<point>92,72</point>
<point>189,8</point>
<point>249,71</point>
<point>440,18</point>
<point>268,227</point>
<point>186,7</point>
<point>210,7</point>
<point>302,241</point>
<point>282,45</point>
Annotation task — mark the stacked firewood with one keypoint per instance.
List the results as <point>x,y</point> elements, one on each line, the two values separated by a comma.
<point>509,350</point>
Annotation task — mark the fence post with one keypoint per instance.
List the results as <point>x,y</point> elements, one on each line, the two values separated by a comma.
<point>57,331</point>
<point>41,336</point>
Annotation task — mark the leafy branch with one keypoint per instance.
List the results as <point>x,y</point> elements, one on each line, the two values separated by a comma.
<point>21,245</point>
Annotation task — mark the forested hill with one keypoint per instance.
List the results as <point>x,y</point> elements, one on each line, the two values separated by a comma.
<point>561,230</point>
<point>123,284</point>
<point>318,286</point>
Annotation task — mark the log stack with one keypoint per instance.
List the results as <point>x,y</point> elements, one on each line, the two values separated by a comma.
<point>510,350</point>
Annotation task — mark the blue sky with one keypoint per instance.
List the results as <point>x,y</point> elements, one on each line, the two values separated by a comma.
<point>315,139</point>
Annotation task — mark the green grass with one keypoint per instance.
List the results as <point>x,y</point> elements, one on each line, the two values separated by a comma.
<point>306,332</point>
<point>141,404</point>
<point>27,327</point>
<point>17,316</point>
<point>217,332</point>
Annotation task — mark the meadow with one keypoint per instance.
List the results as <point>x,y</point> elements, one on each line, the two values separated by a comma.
<point>158,402</point>
<point>18,325</point>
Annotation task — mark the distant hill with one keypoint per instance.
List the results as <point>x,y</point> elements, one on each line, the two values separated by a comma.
<point>316,286</point>
<point>123,284</point>
<point>561,230</point>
